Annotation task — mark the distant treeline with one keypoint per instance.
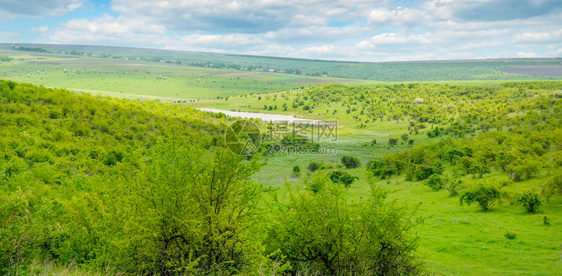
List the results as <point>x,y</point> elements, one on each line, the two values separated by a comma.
<point>20,48</point>
<point>5,58</point>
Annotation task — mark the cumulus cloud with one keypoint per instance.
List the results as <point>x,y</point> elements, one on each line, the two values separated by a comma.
<point>242,16</point>
<point>10,9</point>
<point>107,30</point>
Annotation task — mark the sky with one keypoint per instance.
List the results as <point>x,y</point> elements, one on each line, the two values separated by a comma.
<point>352,30</point>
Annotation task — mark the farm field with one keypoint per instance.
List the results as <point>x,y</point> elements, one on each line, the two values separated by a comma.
<point>87,183</point>
<point>141,78</point>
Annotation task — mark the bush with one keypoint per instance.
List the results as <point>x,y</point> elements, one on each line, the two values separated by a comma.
<point>530,201</point>
<point>510,235</point>
<point>553,186</point>
<point>341,177</point>
<point>331,234</point>
<point>350,162</point>
<point>453,187</point>
<point>436,182</point>
<point>313,166</point>
<point>485,196</point>
<point>296,171</point>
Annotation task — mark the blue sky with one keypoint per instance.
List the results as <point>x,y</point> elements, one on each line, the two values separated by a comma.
<point>357,30</point>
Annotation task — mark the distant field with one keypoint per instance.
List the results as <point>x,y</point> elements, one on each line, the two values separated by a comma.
<point>536,70</point>
<point>141,78</point>
<point>460,70</point>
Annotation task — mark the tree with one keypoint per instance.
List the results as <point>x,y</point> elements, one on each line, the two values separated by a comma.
<point>296,171</point>
<point>341,177</point>
<point>530,201</point>
<point>192,214</point>
<point>350,162</point>
<point>313,166</point>
<point>485,196</point>
<point>436,182</point>
<point>553,186</point>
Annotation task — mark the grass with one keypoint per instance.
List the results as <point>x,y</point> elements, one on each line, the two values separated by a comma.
<point>146,79</point>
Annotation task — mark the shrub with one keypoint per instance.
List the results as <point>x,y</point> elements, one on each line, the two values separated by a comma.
<point>350,162</point>
<point>530,201</point>
<point>341,177</point>
<point>453,187</point>
<point>553,186</point>
<point>296,171</point>
<point>436,182</point>
<point>313,166</point>
<point>331,234</point>
<point>510,235</point>
<point>485,196</point>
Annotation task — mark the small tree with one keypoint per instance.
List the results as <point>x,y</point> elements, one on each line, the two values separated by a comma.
<point>436,182</point>
<point>296,171</point>
<point>313,166</point>
<point>553,186</point>
<point>341,177</point>
<point>350,161</point>
<point>530,201</point>
<point>333,234</point>
<point>485,196</point>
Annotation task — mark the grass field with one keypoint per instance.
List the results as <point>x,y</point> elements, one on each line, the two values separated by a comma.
<point>141,78</point>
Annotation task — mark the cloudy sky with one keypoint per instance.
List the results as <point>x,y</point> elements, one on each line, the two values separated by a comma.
<point>358,30</point>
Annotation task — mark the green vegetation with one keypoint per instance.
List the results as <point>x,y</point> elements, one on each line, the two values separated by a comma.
<point>97,185</point>
<point>139,187</point>
<point>502,135</point>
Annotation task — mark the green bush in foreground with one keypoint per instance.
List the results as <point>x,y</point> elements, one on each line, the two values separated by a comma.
<point>330,234</point>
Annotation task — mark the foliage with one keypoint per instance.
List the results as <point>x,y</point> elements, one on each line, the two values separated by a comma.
<point>350,162</point>
<point>510,235</point>
<point>333,234</point>
<point>553,186</point>
<point>341,177</point>
<point>313,166</point>
<point>484,195</point>
<point>530,201</point>
<point>436,182</point>
<point>296,171</point>
<point>193,214</point>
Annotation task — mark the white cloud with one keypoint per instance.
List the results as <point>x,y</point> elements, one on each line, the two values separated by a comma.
<point>393,38</point>
<point>111,31</point>
<point>10,9</point>
<point>526,55</point>
<point>539,37</point>
<point>41,29</point>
